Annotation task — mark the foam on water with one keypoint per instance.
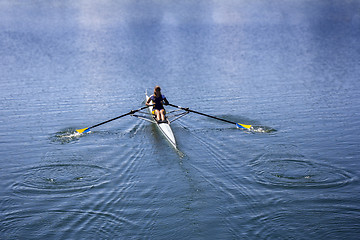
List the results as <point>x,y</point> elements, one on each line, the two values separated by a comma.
<point>262,129</point>
<point>66,136</point>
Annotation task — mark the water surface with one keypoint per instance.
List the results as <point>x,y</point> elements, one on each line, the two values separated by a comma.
<point>288,68</point>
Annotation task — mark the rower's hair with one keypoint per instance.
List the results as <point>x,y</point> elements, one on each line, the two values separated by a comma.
<point>157,87</point>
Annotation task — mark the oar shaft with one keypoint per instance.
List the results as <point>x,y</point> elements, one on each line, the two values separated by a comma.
<point>111,120</point>
<point>129,113</point>
<point>206,115</point>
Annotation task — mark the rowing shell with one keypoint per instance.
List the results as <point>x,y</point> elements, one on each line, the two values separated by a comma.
<point>164,127</point>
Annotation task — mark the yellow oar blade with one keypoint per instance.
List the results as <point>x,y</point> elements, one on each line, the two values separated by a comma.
<point>83,130</point>
<point>239,125</point>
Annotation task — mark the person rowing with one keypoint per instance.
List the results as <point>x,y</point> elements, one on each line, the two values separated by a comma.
<point>159,100</point>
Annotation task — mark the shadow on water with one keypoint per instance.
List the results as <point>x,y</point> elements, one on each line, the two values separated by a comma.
<point>256,127</point>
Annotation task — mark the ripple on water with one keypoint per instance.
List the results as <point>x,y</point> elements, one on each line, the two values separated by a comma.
<point>69,178</point>
<point>276,224</point>
<point>294,171</point>
<point>72,222</point>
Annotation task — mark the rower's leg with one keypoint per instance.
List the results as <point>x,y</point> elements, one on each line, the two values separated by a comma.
<point>162,113</point>
<point>157,114</point>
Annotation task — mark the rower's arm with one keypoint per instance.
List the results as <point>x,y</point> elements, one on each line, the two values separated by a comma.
<point>166,102</point>
<point>148,102</point>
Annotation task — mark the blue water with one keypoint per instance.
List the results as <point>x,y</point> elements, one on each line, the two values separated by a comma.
<point>290,68</point>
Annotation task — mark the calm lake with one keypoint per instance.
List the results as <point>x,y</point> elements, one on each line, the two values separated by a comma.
<point>289,68</point>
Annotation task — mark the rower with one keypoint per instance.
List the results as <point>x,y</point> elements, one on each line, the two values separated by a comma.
<point>159,100</point>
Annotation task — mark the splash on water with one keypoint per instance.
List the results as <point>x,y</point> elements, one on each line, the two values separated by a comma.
<point>262,129</point>
<point>66,136</point>
<point>259,129</point>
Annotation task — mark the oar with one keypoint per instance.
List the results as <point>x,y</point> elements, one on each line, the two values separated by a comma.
<point>239,125</point>
<point>85,130</point>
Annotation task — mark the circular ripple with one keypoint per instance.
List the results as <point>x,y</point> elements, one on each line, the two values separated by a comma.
<point>271,170</point>
<point>60,178</point>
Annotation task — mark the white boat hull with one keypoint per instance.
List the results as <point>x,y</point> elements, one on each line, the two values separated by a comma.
<point>164,128</point>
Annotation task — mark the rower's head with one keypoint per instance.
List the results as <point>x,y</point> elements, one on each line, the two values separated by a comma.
<point>157,91</point>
